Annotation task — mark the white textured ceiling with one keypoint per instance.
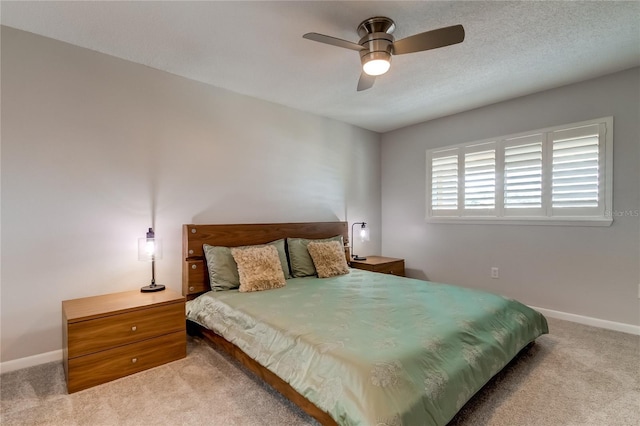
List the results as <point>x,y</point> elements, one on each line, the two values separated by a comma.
<point>511,49</point>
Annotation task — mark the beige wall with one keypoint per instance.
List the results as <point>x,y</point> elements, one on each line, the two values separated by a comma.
<point>94,149</point>
<point>587,271</point>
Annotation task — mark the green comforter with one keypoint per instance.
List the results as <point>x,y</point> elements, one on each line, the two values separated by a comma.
<point>374,349</point>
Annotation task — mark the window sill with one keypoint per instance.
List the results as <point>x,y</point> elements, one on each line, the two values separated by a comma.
<point>550,221</point>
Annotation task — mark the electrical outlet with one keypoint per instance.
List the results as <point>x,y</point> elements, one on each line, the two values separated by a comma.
<point>495,272</point>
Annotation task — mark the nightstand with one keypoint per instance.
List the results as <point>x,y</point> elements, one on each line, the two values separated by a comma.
<point>384,265</point>
<point>115,335</point>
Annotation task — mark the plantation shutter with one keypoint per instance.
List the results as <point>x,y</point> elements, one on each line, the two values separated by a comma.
<point>576,165</point>
<point>444,180</point>
<point>523,174</point>
<point>557,175</point>
<point>480,179</point>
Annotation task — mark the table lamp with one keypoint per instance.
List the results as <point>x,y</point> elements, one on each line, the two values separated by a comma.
<point>363,235</point>
<point>150,249</point>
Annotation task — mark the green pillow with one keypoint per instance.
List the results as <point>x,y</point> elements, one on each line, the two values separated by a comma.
<point>223,270</point>
<point>301,262</point>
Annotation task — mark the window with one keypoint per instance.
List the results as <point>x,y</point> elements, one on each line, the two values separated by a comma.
<point>558,175</point>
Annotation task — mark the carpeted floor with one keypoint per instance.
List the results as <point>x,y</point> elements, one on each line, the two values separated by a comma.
<point>576,375</point>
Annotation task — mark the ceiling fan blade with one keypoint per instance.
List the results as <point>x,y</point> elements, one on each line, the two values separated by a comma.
<point>366,81</point>
<point>429,40</point>
<point>332,41</point>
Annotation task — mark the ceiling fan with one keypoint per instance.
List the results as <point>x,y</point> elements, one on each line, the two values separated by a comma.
<point>376,45</point>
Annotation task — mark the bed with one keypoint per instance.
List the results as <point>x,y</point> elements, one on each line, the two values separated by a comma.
<point>357,349</point>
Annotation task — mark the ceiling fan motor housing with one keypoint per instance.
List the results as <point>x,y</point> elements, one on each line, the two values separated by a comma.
<point>376,39</point>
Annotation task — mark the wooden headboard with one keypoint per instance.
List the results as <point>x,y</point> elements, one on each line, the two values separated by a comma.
<point>195,277</point>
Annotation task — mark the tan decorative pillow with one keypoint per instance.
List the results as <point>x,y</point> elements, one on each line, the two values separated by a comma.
<point>259,268</point>
<point>328,258</point>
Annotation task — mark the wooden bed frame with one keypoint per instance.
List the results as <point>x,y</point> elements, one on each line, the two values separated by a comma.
<point>195,280</point>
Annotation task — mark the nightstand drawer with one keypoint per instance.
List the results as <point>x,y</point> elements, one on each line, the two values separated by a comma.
<point>86,337</point>
<point>104,366</point>
<point>396,268</point>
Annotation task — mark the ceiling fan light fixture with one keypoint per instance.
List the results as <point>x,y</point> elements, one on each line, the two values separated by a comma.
<point>376,63</point>
<point>376,67</point>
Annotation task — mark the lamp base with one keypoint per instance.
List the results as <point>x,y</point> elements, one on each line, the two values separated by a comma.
<point>151,288</point>
<point>359,258</point>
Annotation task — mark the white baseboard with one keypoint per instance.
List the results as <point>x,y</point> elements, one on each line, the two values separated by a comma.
<point>30,361</point>
<point>594,322</point>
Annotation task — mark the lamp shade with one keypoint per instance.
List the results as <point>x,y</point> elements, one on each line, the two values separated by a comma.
<point>150,247</point>
<point>363,233</point>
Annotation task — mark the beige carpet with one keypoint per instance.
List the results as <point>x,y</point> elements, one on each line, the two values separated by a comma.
<point>577,375</point>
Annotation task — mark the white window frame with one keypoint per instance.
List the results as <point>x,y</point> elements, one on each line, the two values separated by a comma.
<point>545,215</point>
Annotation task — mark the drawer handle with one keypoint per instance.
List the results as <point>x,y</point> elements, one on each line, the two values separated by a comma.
<point>134,360</point>
<point>191,288</point>
<point>134,328</point>
<point>193,266</point>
